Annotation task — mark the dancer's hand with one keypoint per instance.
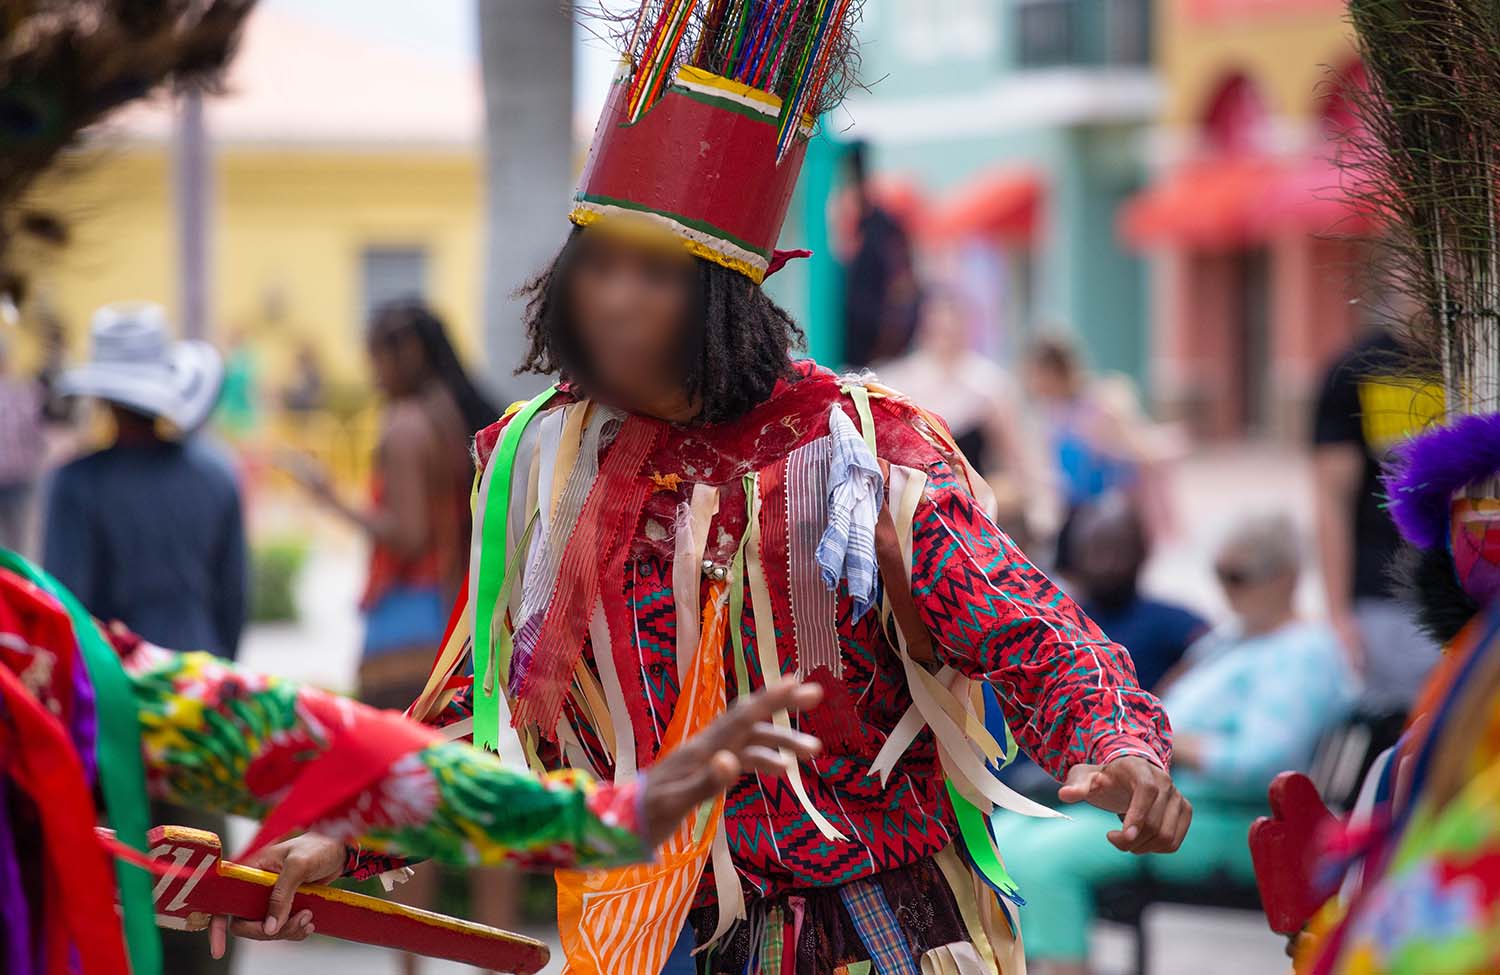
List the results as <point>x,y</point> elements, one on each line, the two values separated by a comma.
<point>742,739</point>
<point>306,859</point>
<point>307,471</point>
<point>1154,816</point>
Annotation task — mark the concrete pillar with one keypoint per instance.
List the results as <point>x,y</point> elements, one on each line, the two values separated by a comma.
<point>526,49</point>
<point>192,200</point>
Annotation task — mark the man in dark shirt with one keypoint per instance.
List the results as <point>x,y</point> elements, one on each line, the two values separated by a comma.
<point>1369,403</point>
<point>148,531</point>
<point>880,285</point>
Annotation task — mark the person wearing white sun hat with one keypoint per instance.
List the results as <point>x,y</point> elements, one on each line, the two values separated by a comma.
<point>148,530</point>
<point>136,365</point>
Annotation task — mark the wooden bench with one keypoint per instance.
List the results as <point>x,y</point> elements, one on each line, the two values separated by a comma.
<point>1126,904</point>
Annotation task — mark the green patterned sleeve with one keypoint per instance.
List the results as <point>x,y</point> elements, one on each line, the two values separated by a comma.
<point>221,738</point>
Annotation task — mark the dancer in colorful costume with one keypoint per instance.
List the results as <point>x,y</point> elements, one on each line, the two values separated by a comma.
<point>1420,858</point>
<point>690,491</point>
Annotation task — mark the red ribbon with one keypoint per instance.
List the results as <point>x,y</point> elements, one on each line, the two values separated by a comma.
<point>779,259</point>
<point>79,888</point>
<point>597,547</point>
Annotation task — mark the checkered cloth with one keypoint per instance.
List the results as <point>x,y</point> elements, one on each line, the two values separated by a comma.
<point>773,943</point>
<point>877,927</point>
<point>855,491</point>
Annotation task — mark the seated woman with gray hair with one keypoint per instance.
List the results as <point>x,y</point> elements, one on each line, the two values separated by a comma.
<point>1252,700</point>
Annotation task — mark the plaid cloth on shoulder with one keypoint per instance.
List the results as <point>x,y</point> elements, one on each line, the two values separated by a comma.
<point>855,491</point>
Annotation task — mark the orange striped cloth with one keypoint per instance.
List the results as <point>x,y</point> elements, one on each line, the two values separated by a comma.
<point>627,921</point>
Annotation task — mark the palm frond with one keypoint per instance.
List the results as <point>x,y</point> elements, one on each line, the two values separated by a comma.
<point>1428,164</point>
<point>66,64</point>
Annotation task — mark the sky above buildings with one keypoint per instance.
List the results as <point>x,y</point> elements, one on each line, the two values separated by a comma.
<point>448,29</point>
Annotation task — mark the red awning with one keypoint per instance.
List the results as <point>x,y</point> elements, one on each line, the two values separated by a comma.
<point>1001,204</point>
<point>1314,196</point>
<point>1232,202</point>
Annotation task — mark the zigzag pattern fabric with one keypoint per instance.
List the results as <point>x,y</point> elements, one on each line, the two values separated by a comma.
<point>993,616</point>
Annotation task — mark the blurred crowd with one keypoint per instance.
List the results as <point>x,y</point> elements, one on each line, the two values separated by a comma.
<point>142,515</point>
<point>1084,483</point>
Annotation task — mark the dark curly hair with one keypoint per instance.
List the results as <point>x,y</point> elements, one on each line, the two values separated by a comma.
<point>731,362</point>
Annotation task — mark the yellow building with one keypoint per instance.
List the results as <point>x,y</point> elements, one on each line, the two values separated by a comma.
<point>1254,241</point>
<point>342,174</point>
<point>1285,47</point>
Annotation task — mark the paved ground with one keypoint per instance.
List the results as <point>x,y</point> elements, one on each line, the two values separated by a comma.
<point>322,647</point>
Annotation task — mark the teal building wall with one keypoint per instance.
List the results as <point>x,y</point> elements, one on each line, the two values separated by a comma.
<point>931,62</point>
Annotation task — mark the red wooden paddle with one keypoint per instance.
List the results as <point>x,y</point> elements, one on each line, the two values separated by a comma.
<point>1283,848</point>
<point>199,883</point>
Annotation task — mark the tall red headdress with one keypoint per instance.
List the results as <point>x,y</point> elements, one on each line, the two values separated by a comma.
<point>707,121</point>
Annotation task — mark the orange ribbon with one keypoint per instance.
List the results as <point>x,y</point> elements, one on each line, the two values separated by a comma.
<point>627,921</point>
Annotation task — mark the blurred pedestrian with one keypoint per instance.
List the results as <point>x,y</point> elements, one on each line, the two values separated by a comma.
<point>418,526</point>
<point>1100,439</point>
<point>1367,405</point>
<point>880,282</point>
<point>305,394</point>
<point>1110,551</point>
<point>57,410</point>
<point>148,530</point>
<point>22,448</point>
<point>239,401</point>
<point>1256,698</point>
<point>418,519</point>
<point>975,397</point>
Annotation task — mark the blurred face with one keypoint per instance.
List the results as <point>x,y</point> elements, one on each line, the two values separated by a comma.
<point>1109,557</point>
<point>395,363</point>
<point>1262,598</point>
<point>631,302</point>
<point>1045,381</point>
<point>944,330</point>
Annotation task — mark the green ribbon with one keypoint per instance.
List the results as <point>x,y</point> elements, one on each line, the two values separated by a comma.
<point>490,672</point>
<point>122,775</point>
<point>505,641</point>
<point>975,833</point>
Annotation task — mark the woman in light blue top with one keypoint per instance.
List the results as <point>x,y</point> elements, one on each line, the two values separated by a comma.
<point>1250,700</point>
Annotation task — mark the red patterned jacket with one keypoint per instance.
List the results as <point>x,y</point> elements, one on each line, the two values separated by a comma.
<point>1069,694</point>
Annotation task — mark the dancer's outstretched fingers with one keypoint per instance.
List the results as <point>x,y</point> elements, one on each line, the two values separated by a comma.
<point>743,737</point>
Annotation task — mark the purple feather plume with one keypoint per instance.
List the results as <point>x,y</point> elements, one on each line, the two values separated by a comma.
<point>1426,471</point>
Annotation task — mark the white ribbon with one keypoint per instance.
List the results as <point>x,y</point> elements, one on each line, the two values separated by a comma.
<point>687,570</point>
<point>770,664</point>
<point>935,704</point>
<point>614,694</point>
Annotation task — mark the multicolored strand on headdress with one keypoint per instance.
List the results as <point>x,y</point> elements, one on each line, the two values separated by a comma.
<point>783,47</point>
<point>661,54</point>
